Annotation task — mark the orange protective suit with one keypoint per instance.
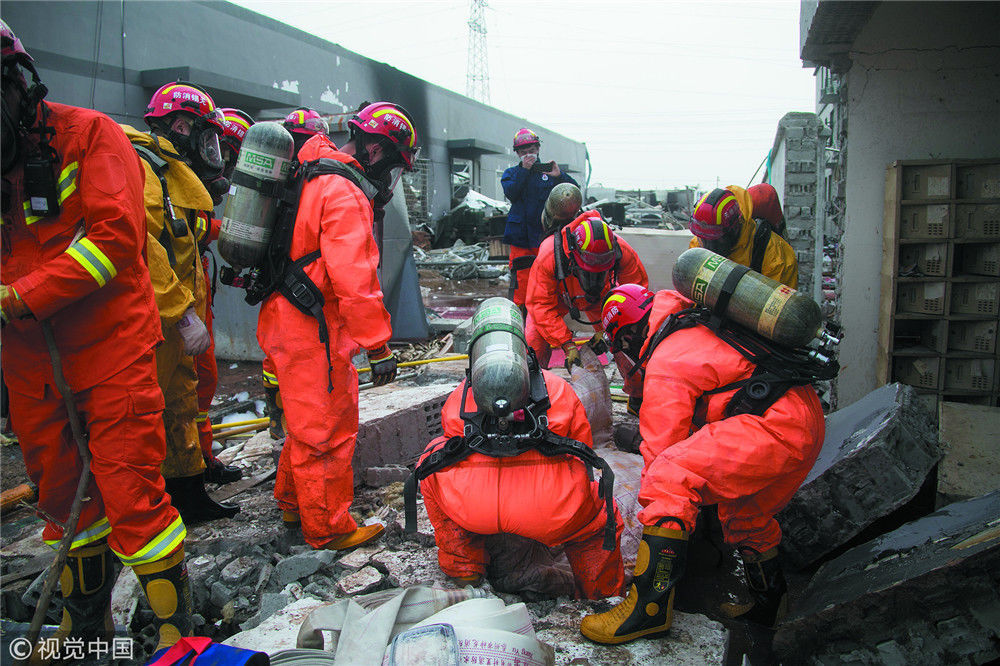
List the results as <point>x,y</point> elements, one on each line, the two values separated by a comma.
<point>779,258</point>
<point>315,478</point>
<point>550,500</point>
<point>549,299</point>
<point>83,272</point>
<point>749,465</point>
<point>176,370</point>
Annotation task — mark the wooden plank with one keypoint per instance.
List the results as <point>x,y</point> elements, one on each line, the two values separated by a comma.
<point>971,466</point>
<point>887,296</point>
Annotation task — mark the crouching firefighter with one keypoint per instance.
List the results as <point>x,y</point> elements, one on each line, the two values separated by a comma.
<point>729,418</point>
<point>304,229</point>
<point>516,458</point>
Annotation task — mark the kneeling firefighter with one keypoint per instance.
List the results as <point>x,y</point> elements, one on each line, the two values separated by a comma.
<point>515,458</point>
<point>308,240</point>
<point>729,419</point>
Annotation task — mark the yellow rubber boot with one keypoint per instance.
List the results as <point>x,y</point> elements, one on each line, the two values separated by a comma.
<point>648,608</point>
<point>85,584</point>
<point>165,584</point>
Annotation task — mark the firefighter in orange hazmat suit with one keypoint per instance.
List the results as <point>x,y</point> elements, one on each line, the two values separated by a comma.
<point>545,497</point>
<point>183,163</point>
<point>303,124</point>
<point>723,222</point>
<point>694,455</point>
<point>333,236</point>
<point>573,278</point>
<point>73,237</point>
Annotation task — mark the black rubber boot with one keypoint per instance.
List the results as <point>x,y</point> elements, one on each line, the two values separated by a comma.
<point>189,497</point>
<point>275,412</point>
<point>768,591</point>
<point>165,584</point>
<point>626,438</point>
<point>217,472</point>
<point>649,606</point>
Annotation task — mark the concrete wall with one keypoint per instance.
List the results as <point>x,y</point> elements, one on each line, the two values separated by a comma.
<point>257,64</point>
<point>923,84</point>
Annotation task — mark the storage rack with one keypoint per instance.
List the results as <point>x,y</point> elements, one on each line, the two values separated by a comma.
<point>940,306</point>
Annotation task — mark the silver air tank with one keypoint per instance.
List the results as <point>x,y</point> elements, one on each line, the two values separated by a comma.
<point>774,310</point>
<point>265,159</point>
<point>498,358</point>
<point>561,206</point>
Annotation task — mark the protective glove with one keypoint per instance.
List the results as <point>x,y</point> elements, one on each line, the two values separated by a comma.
<point>572,355</point>
<point>383,364</point>
<point>598,344</point>
<point>193,332</point>
<point>11,305</point>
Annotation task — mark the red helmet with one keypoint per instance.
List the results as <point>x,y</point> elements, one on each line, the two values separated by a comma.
<point>236,125</point>
<point>306,121</point>
<point>10,45</point>
<point>525,137</point>
<point>593,244</point>
<point>715,213</point>
<point>390,121</point>
<point>186,97</point>
<point>626,306</point>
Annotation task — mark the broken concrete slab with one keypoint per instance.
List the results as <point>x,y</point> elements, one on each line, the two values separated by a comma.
<point>876,455</point>
<point>971,467</point>
<point>927,592</point>
<point>394,426</point>
<point>277,632</point>
<point>364,580</point>
<point>299,566</point>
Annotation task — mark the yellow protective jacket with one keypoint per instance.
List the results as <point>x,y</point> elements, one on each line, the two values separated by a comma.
<point>189,197</point>
<point>779,258</point>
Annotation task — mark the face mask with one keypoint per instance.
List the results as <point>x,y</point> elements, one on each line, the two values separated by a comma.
<point>592,283</point>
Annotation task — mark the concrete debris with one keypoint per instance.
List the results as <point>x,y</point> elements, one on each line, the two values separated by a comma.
<point>299,566</point>
<point>377,477</point>
<point>279,630</point>
<point>359,557</point>
<point>876,455</point>
<point>396,423</point>
<point>365,580</point>
<point>928,592</point>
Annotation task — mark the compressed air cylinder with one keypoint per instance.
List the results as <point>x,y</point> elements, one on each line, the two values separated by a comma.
<point>776,311</point>
<point>498,359</point>
<point>561,206</point>
<point>248,219</point>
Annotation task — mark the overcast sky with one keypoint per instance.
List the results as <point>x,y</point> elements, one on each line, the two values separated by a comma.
<point>664,93</point>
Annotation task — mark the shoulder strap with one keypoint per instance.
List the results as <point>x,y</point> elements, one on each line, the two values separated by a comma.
<point>159,165</point>
<point>325,166</point>
<point>760,240</point>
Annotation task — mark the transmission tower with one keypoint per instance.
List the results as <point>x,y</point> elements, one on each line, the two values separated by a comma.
<point>477,70</point>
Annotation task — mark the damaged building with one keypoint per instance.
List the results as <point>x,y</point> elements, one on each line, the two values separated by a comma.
<point>891,192</point>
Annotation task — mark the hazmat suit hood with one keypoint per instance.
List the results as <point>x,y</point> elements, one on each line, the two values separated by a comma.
<point>320,145</point>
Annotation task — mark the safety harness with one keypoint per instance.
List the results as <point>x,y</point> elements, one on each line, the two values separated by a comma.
<point>761,238</point>
<point>280,272</point>
<point>172,226</point>
<point>777,367</point>
<point>481,436</point>
<point>563,264</point>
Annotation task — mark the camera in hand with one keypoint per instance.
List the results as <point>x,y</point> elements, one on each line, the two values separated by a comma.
<point>541,167</point>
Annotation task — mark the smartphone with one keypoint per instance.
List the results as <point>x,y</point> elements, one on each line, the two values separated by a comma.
<point>543,166</point>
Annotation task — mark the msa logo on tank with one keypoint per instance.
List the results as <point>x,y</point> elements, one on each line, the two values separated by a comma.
<point>700,287</point>
<point>265,165</point>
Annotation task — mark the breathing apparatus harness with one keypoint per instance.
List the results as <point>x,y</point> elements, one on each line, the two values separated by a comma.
<point>279,271</point>
<point>492,437</point>
<point>564,263</point>
<point>40,183</point>
<point>777,367</point>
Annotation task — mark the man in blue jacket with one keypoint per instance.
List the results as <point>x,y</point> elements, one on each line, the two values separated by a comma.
<point>527,186</point>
